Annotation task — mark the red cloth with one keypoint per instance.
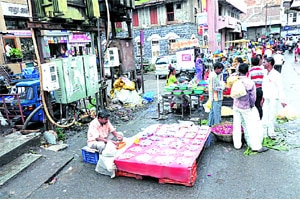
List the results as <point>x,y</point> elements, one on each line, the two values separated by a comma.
<point>172,170</point>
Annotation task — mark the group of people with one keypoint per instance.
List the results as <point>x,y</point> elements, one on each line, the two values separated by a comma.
<point>256,111</point>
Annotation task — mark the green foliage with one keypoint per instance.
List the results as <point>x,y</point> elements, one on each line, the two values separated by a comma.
<point>118,30</point>
<point>16,53</point>
<point>60,134</point>
<point>149,68</point>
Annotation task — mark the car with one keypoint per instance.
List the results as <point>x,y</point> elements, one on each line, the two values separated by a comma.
<point>162,64</point>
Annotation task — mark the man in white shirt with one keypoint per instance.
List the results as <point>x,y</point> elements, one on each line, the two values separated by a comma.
<point>7,49</point>
<point>279,61</point>
<point>273,96</point>
<point>268,52</point>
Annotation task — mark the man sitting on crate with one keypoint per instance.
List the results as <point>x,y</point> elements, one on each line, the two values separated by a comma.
<point>101,131</point>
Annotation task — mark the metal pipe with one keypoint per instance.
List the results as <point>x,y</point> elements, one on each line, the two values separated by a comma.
<point>266,19</point>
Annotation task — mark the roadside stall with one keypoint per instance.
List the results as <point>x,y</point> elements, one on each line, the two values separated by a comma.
<point>164,151</point>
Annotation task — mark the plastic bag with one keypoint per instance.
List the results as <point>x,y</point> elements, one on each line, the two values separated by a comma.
<point>110,149</point>
<point>207,106</point>
<point>238,89</point>
<point>288,112</point>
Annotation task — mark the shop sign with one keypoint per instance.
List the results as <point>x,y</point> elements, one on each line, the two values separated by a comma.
<point>55,32</point>
<point>16,10</point>
<point>20,33</point>
<point>185,44</point>
<point>79,38</point>
<point>202,18</point>
<point>56,40</point>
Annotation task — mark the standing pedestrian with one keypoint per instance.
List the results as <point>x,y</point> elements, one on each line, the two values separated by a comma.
<point>199,66</point>
<point>246,114</point>
<point>7,49</point>
<point>226,65</point>
<point>272,87</point>
<point>279,61</point>
<point>215,94</point>
<point>256,74</point>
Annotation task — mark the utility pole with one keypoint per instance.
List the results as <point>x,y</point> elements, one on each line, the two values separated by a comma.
<point>266,19</point>
<point>141,54</point>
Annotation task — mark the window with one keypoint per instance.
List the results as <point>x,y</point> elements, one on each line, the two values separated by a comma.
<point>11,41</point>
<point>294,17</point>
<point>16,23</point>
<point>135,19</point>
<point>155,48</point>
<point>170,12</point>
<point>153,16</point>
<point>138,45</point>
<point>170,44</point>
<point>178,6</point>
<point>27,48</point>
<point>26,93</point>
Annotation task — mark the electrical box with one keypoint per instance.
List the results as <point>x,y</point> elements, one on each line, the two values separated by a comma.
<point>91,74</point>
<point>113,57</point>
<point>71,79</point>
<point>50,76</point>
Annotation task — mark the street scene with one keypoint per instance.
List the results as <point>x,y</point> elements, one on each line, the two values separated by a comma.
<point>149,99</point>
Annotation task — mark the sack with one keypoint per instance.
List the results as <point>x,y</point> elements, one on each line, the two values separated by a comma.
<point>238,89</point>
<point>287,113</point>
<point>110,149</point>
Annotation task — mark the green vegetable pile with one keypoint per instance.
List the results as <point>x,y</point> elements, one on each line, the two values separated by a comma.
<point>280,144</point>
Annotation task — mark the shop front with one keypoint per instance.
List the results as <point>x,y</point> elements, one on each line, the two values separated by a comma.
<point>79,44</point>
<point>55,43</point>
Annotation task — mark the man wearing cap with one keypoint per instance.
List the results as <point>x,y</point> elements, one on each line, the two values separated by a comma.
<point>279,61</point>
<point>101,131</point>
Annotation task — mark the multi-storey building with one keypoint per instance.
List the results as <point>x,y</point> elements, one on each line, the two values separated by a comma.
<point>169,25</point>
<point>13,18</point>
<point>292,22</point>
<point>271,18</point>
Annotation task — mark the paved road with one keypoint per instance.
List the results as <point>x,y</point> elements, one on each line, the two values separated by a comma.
<point>223,172</point>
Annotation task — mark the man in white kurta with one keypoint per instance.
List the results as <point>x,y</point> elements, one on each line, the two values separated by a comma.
<point>272,87</point>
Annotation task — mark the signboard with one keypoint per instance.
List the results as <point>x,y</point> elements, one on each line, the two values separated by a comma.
<point>16,10</point>
<point>185,44</point>
<point>81,37</point>
<point>186,57</point>
<point>21,33</point>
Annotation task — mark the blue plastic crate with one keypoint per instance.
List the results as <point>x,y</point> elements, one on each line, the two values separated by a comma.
<point>88,156</point>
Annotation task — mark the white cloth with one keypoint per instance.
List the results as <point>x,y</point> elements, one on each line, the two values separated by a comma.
<point>252,128</point>
<point>127,96</point>
<point>279,59</point>
<point>7,49</point>
<point>268,52</point>
<point>272,86</point>
<point>270,109</point>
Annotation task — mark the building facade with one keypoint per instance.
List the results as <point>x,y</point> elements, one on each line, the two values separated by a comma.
<point>169,26</point>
